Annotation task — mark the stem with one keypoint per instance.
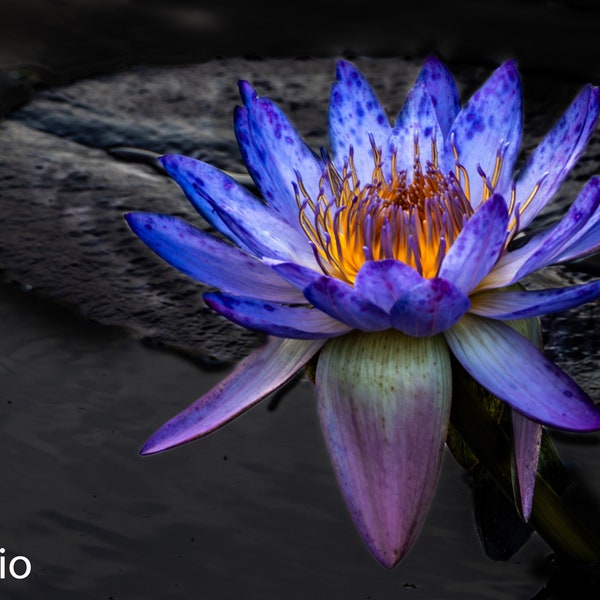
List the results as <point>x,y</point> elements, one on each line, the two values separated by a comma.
<point>551,518</point>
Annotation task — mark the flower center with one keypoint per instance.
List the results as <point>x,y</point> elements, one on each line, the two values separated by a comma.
<point>413,217</point>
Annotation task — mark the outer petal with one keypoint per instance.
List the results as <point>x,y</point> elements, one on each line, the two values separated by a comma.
<point>429,308</point>
<point>556,155</point>
<point>299,322</point>
<point>193,252</point>
<point>552,244</point>
<point>490,119</point>
<point>509,305</point>
<point>243,217</point>
<point>443,91</point>
<point>417,122</point>
<point>189,173</point>
<point>478,246</point>
<point>513,369</point>
<point>527,436</point>
<point>384,403</point>
<point>345,303</point>
<point>274,153</point>
<point>255,377</point>
<point>355,113</point>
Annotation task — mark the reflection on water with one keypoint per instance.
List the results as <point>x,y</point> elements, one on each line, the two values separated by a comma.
<point>252,511</point>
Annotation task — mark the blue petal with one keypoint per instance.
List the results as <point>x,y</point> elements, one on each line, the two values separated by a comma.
<point>510,305</point>
<point>587,239</point>
<point>266,369</point>
<point>417,122</point>
<point>298,322</point>
<point>343,302</point>
<point>478,246</point>
<point>557,153</point>
<point>199,180</point>
<point>275,154</point>
<point>294,274</point>
<point>252,224</point>
<point>513,369</point>
<point>195,253</point>
<point>429,308</point>
<point>355,113</point>
<point>443,91</point>
<point>551,245</point>
<point>382,282</point>
<point>490,119</point>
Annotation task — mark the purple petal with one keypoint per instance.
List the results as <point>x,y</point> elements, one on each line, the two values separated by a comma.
<point>417,122</point>
<point>344,303</point>
<point>245,218</point>
<point>255,377</point>
<point>510,305</point>
<point>587,239</point>
<point>490,119</point>
<point>299,322</point>
<point>384,404</point>
<point>429,308</point>
<point>194,252</point>
<point>527,436</point>
<point>274,153</point>
<point>513,369</point>
<point>557,153</point>
<point>355,113</point>
<point>443,91</point>
<point>200,181</point>
<point>294,274</point>
<point>550,245</point>
<point>382,282</point>
<point>478,246</point>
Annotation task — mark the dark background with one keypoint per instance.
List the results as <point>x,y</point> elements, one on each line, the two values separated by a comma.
<point>58,40</point>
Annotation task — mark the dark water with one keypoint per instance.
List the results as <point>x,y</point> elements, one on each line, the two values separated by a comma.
<point>252,511</point>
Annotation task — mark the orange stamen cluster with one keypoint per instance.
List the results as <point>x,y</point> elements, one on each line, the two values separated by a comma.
<point>413,218</point>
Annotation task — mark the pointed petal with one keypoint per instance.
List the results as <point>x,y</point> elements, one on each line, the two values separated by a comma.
<point>587,239</point>
<point>194,252</point>
<point>443,91</point>
<point>417,123</point>
<point>298,322</point>
<point>274,153</point>
<point>255,377</point>
<point>557,153</point>
<point>513,369</point>
<point>355,113</point>
<point>478,246</point>
<point>509,305</point>
<point>245,219</point>
<point>490,119</point>
<point>527,436</point>
<point>429,308</point>
<point>550,245</point>
<point>384,404</point>
<point>344,303</point>
<point>197,180</point>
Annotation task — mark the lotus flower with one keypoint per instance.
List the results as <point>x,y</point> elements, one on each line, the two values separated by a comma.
<point>386,255</point>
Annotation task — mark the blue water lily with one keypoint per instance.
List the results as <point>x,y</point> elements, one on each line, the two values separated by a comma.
<point>386,255</point>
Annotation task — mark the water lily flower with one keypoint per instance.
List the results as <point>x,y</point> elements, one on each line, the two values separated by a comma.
<point>386,255</point>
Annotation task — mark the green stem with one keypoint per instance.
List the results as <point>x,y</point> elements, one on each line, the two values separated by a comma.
<point>551,518</point>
